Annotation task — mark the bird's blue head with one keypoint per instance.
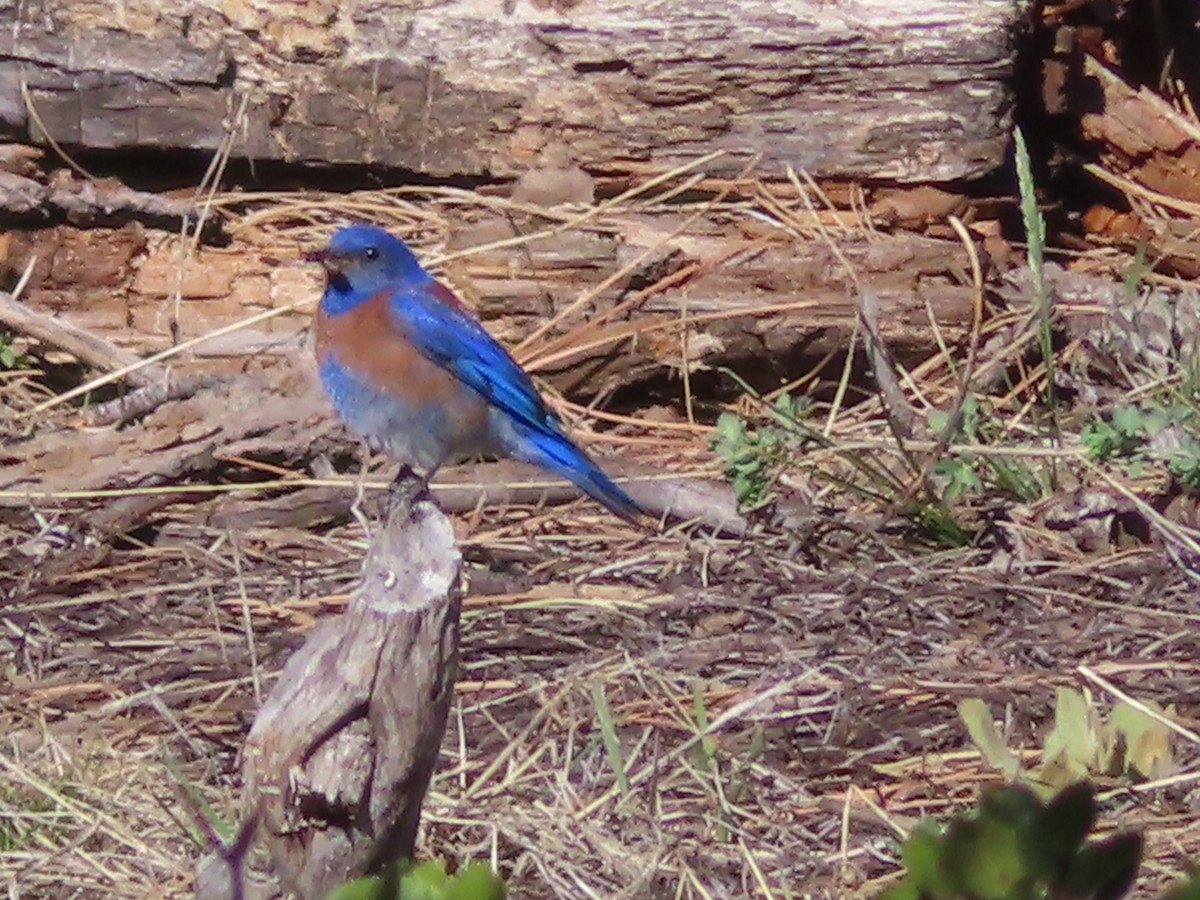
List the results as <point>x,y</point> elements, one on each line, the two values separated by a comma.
<point>362,260</point>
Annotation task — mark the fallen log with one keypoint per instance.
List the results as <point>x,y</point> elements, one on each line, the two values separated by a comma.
<point>661,297</point>
<point>908,90</point>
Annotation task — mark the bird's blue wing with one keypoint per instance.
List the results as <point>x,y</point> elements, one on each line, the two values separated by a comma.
<point>444,331</point>
<point>437,324</point>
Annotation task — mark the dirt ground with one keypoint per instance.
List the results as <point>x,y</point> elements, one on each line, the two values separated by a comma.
<point>783,680</point>
<point>830,692</point>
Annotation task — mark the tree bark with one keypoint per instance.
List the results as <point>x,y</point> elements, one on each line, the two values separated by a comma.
<point>885,89</point>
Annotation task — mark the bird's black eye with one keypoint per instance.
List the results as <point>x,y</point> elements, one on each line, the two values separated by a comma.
<point>371,253</point>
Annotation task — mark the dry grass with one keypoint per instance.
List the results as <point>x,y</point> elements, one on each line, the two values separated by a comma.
<point>780,724</point>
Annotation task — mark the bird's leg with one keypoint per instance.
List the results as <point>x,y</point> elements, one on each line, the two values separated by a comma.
<point>404,489</point>
<point>360,490</point>
<point>409,486</point>
<point>405,474</point>
<point>429,477</point>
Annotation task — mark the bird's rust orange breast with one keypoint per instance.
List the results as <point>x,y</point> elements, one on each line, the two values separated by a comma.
<point>366,341</point>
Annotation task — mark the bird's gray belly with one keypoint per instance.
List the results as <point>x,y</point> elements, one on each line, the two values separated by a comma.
<point>422,435</point>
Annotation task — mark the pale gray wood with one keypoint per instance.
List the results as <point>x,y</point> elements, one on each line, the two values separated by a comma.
<point>339,758</point>
<point>901,89</point>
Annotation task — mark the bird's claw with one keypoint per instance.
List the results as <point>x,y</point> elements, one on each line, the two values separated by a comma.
<point>406,489</point>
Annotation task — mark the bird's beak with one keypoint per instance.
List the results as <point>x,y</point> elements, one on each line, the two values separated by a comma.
<point>331,261</point>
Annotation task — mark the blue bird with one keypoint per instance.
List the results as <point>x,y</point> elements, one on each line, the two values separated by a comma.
<point>409,368</point>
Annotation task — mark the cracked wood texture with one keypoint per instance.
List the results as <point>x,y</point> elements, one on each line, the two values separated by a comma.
<point>340,755</point>
<point>891,89</point>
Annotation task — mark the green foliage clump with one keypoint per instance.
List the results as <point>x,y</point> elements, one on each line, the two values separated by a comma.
<point>426,881</point>
<point>752,454</point>
<point>10,357</point>
<point>1132,743</point>
<point>1016,846</point>
<point>960,472</point>
<point>1127,434</point>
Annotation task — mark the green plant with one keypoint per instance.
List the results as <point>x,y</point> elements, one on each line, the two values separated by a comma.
<point>426,881</point>
<point>1016,846</point>
<point>1035,242</point>
<point>10,357</point>
<point>1136,271</point>
<point>961,472</point>
<point>1132,743</point>
<point>1129,432</point>
<point>752,454</point>
<point>1184,465</point>
<point>1122,435</point>
<point>938,524</point>
<point>609,736</point>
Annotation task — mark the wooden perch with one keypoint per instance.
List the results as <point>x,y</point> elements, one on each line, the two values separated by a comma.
<point>340,756</point>
<point>893,89</point>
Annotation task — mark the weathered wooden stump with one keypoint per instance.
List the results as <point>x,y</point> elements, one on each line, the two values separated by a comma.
<point>339,758</point>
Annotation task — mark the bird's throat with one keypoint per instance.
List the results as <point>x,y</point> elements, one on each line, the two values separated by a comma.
<point>339,296</point>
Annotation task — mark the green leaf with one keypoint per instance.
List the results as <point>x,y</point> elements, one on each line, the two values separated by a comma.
<point>608,734</point>
<point>1016,478</point>
<point>9,357</point>
<point>960,476</point>
<point>427,881</point>
<point>904,890</point>
<point>939,522</point>
<point>368,888</point>
<point>1128,421</point>
<point>786,411</point>
<point>923,855</point>
<point>984,858</point>
<point>1147,741</point>
<point>1184,464</point>
<point>1013,804</point>
<point>477,881</point>
<point>1061,829</point>
<point>730,428</point>
<point>1106,869</point>
<point>970,417</point>
<point>1155,418</point>
<point>982,731</point>
<point>1031,216</point>
<point>1100,439</point>
<point>1073,746</point>
<point>706,749</point>
<point>1133,275</point>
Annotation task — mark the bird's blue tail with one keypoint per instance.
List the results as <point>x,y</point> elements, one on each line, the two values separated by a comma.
<point>556,453</point>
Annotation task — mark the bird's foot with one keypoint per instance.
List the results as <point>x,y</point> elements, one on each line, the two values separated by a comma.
<point>406,489</point>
